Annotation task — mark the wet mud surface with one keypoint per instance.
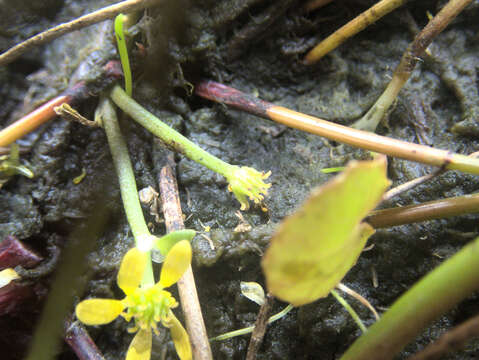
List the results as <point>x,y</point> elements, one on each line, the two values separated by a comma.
<point>257,47</point>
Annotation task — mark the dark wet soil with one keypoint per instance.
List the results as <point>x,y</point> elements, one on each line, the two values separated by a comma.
<point>255,46</point>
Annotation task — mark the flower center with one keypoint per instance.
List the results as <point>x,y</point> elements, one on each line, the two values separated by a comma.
<point>148,306</point>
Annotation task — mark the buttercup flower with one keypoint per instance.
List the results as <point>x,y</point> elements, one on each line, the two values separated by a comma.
<point>247,183</point>
<point>147,305</point>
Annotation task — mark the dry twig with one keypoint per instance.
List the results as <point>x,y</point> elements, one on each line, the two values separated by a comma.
<point>260,327</point>
<point>411,184</point>
<point>452,340</point>
<point>186,285</point>
<point>356,25</point>
<point>411,56</point>
<point>95,17</point>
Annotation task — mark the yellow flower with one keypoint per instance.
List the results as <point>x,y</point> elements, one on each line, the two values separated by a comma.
<point>147,305</point>
<point>247,183</point>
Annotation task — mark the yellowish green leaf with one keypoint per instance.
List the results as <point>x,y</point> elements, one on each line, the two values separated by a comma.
<point>98,311</point>
<point>165,243</point>
<point>315,247</point>
<point>131,270</point>
<point>253,291</point>
<point>180,338</point>
<point>140,347</point>
<point>176,263</point>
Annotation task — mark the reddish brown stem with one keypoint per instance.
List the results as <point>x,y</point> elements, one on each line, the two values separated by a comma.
<point>427,211</point>
<point>31,121</point>
<point>452,340</point>
<point>315,4</point>
<point>186,285</point>
<point>13,252</point>
<point>46,112</point>
<point>81,343</point>
<point>358,138</point>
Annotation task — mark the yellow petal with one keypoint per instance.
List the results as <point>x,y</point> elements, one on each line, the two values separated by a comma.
<point>98,311</point>
<point>8,275</point>
<point>140,347</point>
<point>177,261</point>
<point>180,338</point>
<point>131,270</point>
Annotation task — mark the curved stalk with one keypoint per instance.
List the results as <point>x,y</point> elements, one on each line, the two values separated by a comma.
<point>429,298</point>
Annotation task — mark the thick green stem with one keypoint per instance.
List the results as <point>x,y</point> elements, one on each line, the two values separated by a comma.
<point>129,192</point>
<point>433,295</point>
<point>169,136</point>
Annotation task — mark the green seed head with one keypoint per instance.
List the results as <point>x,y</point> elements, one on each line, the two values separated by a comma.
<point>247,183</point>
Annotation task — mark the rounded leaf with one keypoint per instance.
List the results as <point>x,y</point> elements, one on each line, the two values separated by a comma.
<point>98,311</point>
<point>176,263</point>
<point>314,248</point>
<point>253,291</point>
<point>140,347</point>
<point>131,270</point>
<point>180,338</point>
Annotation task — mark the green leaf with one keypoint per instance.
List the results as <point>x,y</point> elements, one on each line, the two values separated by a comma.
<point>315,247</point>
<point>165,243</point>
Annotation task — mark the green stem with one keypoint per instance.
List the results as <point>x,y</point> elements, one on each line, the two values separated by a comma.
<point>126,178</point>
<point>350,310</point>
<point>169,136</point>
<point>433,295</point>
<point>250,329</point>
<point>123,51</point>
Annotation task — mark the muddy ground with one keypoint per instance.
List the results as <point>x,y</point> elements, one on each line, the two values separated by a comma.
<point>255,46</point>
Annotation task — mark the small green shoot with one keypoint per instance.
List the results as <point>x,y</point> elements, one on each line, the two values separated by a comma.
<point>10,165</point>
<point>78,179</point>
<point>332,170</point>
<point>123,51</point>
<point>350,310</point>
<point>315,247</point>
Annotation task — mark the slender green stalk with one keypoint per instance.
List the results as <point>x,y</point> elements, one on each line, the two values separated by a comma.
<point>169,136</point>
<point>350,310</point>
<point>332,170</point>
<point>123,51</point>
<point>250,329</point>
<point>129,192</point>
<point>244,182</point>
<point>433,295</point>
